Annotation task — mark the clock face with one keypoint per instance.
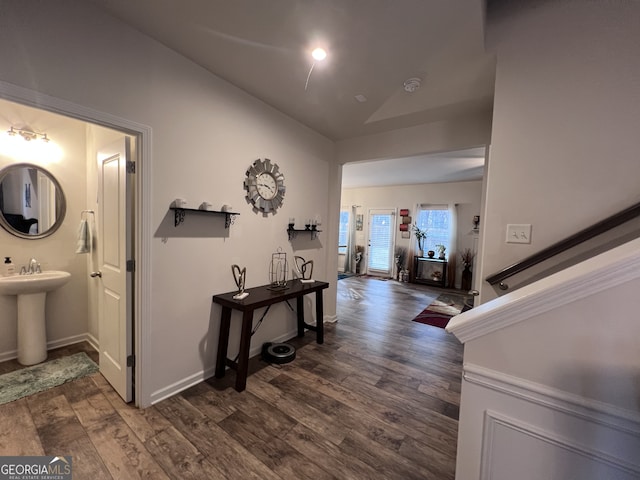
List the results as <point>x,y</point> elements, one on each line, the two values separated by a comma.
<point>265,186</point>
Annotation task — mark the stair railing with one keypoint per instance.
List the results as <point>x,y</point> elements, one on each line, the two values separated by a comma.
<point>499,278</point>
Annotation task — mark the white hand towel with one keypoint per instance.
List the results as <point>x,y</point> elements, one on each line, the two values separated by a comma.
<point>83,244</point>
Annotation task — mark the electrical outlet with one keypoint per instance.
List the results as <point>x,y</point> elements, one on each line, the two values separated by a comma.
<point>519,233</point>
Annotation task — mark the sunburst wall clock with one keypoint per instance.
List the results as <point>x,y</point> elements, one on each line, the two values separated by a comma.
<point>264,184</point>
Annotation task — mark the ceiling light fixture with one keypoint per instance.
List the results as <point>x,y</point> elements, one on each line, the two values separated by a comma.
<point>412,84</point>
<point>28,135</point>
<point>318,54</point>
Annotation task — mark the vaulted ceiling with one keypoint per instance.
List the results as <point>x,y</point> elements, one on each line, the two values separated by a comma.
<point>374,46</point>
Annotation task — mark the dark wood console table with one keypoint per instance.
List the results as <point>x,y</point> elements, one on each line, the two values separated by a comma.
<point>262,297</point>
<point>424,269</point>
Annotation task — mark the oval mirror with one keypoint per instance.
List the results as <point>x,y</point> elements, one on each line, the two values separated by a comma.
<point>32,203</point>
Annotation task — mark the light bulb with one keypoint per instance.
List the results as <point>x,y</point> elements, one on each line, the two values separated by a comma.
<point>319,54</point>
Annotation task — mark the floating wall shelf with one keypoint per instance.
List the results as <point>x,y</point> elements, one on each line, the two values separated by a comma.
<point>293,232</point>
<point>180,213</point>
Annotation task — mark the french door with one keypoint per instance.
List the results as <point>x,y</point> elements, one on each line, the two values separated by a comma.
<point>381,241</point>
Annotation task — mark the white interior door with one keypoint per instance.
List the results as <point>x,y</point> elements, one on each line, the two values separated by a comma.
<point>381,241</point>
<point>114,249</point>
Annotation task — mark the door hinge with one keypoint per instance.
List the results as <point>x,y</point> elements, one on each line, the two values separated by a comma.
<point>131,166</point>
<point>131,361</point>
<point>131,265</point>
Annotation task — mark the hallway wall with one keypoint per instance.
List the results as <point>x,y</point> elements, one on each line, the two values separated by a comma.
<point>205,133</point>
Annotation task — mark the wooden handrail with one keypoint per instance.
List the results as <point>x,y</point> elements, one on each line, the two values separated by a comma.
<point>563,245</point>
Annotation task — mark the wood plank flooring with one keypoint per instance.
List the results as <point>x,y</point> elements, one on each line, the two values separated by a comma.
<point>378,400</point>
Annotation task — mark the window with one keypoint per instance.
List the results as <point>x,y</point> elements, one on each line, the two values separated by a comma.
<point>436,220</point>
<point>343,233</point>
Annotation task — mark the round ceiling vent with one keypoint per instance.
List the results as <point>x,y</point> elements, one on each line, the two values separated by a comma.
<point>412,84</point>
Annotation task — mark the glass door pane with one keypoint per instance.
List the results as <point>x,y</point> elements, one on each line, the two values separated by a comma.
<point>380,242</point>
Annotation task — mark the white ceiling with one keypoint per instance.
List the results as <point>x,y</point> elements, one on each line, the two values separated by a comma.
<point>263,47</point>
<point>460,166</point>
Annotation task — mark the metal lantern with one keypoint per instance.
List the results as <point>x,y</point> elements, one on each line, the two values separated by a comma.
<point>278,270</point>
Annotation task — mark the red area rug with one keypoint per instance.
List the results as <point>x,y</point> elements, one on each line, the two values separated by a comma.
<point>440,311</point>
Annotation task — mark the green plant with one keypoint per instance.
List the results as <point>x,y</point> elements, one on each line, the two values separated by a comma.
<point>467,256</point>
<point>401,256</point>
<point>420,235</point>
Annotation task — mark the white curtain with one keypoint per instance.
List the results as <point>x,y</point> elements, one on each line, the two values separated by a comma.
<point>453,244</point>
<point>350,256</point>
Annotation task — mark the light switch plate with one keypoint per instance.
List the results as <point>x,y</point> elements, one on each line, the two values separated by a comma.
<point>519,233</point>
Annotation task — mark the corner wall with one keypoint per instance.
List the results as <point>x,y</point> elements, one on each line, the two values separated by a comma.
<point>564,147</point>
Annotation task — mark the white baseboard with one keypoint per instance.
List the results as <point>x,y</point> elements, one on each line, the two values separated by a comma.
<point>202,375</point>
<point>93,341</point>
<point>53,344</point>
<point>9,355</point>
<point>180,385</point>
<point>63,342</point>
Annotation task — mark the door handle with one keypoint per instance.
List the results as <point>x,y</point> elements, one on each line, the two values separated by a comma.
<point>95,274</point>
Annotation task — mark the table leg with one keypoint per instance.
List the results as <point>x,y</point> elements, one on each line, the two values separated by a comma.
<point>245,343</point>
<point>300,314</point>
<point>223,341</point>
<point>319,318</point>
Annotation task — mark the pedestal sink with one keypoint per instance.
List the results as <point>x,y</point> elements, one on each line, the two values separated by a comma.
<point>31,291</point>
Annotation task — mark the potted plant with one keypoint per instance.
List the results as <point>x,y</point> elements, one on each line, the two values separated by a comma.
<point>401,255</point>
<point>420,236</point>
<point>359,254</point>
<point>467,256</point>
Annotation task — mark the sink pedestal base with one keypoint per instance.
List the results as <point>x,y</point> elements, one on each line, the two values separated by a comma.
<point>32,332</point>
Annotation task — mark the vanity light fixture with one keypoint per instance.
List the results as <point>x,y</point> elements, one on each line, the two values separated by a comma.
<point>36,148</point>
<point>28,135</point>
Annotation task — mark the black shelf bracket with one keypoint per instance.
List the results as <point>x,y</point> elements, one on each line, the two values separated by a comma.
<point>293,232</point>
<point>180,213</point>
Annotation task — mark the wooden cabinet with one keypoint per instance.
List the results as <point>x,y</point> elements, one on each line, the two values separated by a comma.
<point>430,271</point>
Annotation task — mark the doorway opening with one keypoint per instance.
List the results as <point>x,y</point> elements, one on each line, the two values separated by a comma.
<point>408,185</point>
<point>96,128</point>
<point>381,242</point>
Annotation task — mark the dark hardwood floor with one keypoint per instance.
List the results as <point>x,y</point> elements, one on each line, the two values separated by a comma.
<point>378,400</point>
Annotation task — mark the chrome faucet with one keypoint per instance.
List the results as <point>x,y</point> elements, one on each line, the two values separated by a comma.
<point>34,266</point>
